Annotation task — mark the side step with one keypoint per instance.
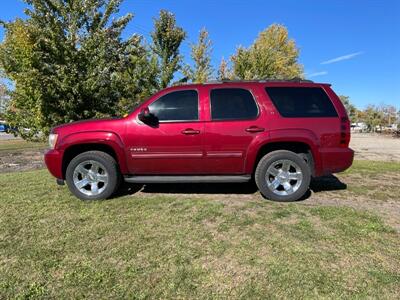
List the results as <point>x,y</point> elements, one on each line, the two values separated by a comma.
<point>187,179</point>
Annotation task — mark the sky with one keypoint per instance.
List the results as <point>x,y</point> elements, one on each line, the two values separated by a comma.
<point>353,45</point>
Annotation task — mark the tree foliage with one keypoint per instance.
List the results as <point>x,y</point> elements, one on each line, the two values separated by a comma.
<point>352,111</point>
<point>4,99</point>
<point>167,38</point>
<point>201,56</point>
<point>69,62</point>
<point>223,71</point>
<point>273,55</point>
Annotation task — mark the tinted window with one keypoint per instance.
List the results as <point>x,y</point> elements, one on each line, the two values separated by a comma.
<point>232,104</point>
<point>176,106</point>
<point>293,102</point>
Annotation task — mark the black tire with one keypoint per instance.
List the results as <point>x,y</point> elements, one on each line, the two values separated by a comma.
<point>106,161</point>
<point>273,157</point>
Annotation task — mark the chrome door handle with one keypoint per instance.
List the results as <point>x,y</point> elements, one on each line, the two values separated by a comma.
<point>255,129</point>
<point>190,131</point>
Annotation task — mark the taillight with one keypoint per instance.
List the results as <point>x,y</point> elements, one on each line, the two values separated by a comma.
<point>344,131</point>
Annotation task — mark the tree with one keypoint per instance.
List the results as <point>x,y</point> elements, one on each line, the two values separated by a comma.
<point>273,55</point>
<point>223,71</point>
<point>167,38</point>
<point>68,62</point>
<point>4,99</point>
<point>201,56</point>
<point>389,114</point>
<point>141,79</point>
<point>352,111</point>
<point>373,117</point>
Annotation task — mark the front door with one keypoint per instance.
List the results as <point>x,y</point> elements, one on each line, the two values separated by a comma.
<point>175,144</point>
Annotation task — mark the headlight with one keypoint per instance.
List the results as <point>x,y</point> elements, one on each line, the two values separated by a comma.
<point>52,140</point>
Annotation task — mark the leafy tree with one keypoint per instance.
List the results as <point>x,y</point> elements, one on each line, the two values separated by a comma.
<point>68,62</point>
<point>373,117</point>
<point>352,111</point>
<point>141,79</point>
<point>398,119</point>
<point>389,114</point>
<point>223,71</point>
<point>201,55</point>
<point>4,99</point>
<point>272,55</point>
<point>167,38</point>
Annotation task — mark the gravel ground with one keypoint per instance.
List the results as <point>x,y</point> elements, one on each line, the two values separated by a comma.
<point>375,147</point>
<point>5,137</point>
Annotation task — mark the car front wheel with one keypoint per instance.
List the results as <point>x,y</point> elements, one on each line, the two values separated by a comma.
<point>282,176</point>
<point>92,175</point>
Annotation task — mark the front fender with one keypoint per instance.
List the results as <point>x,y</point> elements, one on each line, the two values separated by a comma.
<point>110,139</point>
<point>283,135</point>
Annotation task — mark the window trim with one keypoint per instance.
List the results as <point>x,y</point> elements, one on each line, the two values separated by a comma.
<point>305,87</point>
<point>181,121</point>
<point>232,120</point>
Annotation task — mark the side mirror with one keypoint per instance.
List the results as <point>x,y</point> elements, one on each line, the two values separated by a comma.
<point>147,117</point>
<point>144,114</point>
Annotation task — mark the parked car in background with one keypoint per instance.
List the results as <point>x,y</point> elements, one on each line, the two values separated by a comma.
<point>4,127</point>
<point>279,133</point>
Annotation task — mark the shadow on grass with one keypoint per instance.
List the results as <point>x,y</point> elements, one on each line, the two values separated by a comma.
<point>187,188</point>
<point>321,184</point>
<point>327,183</point>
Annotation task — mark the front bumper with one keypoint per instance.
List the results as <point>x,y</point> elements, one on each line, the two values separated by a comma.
<point>53,161</point>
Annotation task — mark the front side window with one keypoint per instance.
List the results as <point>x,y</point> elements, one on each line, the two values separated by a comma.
<point>232,104</point>
<point>177,106</point>
<point>301,102</point>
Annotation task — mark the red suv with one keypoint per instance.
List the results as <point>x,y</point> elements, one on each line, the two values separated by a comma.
<point>281,133</point>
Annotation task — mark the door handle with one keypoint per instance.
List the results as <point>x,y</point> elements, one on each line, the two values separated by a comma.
<point>190,131</point>
<point>253,129</point>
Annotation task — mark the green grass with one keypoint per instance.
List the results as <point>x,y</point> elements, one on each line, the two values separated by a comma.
<point>373,167</point>
<point>375,180</point>
<point>18,145</point>
<point>147,246</point>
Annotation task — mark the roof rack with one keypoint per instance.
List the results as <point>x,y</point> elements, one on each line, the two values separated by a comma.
<point>296,79</point>
<point>227,80</point>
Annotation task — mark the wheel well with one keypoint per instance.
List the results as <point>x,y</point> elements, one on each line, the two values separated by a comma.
<point>296,147</point>
<point>75,150</point>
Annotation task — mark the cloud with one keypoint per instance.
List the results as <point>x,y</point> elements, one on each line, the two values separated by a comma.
<point>317,74</point>
<point>340,58</point>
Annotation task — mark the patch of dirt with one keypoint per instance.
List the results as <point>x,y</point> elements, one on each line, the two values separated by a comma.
<point>375,147</point>
<point>328,191</point>
<point>24,160</point>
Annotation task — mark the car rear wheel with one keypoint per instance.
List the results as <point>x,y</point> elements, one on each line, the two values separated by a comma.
<point>92,175</point>
<point>282,176</point>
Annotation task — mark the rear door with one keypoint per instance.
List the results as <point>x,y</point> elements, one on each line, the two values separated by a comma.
<point>232,123</point>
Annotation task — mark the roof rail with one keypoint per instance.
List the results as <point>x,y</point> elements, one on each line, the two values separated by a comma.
<point>296,79</point>
<point>227,80</point>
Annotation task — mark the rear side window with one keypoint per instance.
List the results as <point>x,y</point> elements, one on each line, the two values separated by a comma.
<point>176,106</point>
<point>299,102</point>
<point>232,104</point>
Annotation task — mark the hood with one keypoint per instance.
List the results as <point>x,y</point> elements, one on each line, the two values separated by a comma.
<point>87,125</point>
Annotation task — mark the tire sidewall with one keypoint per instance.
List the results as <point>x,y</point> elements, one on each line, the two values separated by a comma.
<point>269,159</point>
<point>109,164</point>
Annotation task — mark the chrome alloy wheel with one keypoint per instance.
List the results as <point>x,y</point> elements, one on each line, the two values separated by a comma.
<point>284,177</point>
<point>90,177</point>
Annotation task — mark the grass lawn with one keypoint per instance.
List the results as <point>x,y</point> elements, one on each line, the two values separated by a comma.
<point>18,145</point>
<point>146,246</point>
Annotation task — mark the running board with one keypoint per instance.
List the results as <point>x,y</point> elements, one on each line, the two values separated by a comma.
<point>187,179</point>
